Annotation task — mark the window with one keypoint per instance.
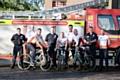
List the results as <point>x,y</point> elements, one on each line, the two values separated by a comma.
<point>118,19</point>
<point>106,22</point>
<point>58,3</point>
<point>118,4</point>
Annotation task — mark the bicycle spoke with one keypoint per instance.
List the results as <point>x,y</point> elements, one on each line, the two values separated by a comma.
<point>26,63</point>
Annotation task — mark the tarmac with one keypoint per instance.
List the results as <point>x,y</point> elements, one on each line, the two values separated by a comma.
<point>5,61</point>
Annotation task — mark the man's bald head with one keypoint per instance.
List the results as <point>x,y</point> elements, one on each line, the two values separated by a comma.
<point>32,27</point>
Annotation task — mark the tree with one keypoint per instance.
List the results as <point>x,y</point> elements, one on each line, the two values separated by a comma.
<point>21,5</point>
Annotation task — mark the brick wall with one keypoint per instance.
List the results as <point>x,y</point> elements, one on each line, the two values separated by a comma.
<point>48,3</point>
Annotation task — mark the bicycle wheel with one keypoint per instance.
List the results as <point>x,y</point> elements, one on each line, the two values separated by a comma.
<point>26,62</point>
<point>74,65</point>
<point>45,62</point>
<point>90,62</point>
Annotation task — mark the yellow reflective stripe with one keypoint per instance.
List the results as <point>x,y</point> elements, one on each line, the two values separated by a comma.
<point>76,23</point>
<point>6,22</point>
<point>114,36</point>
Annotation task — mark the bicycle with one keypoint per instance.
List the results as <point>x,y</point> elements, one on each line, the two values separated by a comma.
<point>61,59</point>
<point>44,61</point>
<point>77,62</point>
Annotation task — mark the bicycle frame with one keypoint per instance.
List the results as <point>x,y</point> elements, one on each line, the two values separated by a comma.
<point>76,56</point>
<point>62,54</point>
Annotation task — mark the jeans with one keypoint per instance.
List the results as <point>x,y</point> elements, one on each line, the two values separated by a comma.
<point>103,53</point>
<point>93,50</point>
<point>31,47</point>
<point>17,49</point>
<point>52,53</point>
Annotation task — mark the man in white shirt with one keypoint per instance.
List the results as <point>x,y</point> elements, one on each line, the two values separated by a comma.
<point>39,39</point>
<point>31,42</point>
<point>69,36</point>
<point>104,42</point>
<point>61,43</point>
<point>77,39</point>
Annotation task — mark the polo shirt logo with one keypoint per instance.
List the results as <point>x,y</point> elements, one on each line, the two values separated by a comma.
<point>54,36</point>
<point>87,36</point>
<point>21,37</point>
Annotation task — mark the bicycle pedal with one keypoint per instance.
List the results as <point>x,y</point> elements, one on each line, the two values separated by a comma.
<point>32,64</point>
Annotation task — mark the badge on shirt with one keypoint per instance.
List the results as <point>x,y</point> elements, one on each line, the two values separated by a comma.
<point>55,36</point>
<point>87,37</point>
<point>21,37</point>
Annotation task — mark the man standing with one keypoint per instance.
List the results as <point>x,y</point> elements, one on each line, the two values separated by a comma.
<point>18,39</point>
<point>69,36</point>
<point>91,39</point>
<point>104,42</point>
<point>31,42</point>
<point>51,39</point>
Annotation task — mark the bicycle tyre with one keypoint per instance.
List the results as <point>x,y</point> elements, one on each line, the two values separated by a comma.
<point>26,63</point>
<point>59,62</point>
<point>45,65</point>
<point>90,62</point>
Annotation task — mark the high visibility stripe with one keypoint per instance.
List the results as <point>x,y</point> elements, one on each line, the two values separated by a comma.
<point>112,36</point>
<point>5,22</point>
<point>76,23</point>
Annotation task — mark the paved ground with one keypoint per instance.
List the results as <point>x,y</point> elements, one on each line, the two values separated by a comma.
<point>4,62</point>
<point>16,74</point>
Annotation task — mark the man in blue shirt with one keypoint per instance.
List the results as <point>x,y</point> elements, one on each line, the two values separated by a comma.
<point>51,39</point>
<point>18,40</point>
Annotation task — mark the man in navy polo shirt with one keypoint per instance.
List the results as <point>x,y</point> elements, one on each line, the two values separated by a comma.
<point>91,39</point>
<point>18,40</point>
<point>51,39</point>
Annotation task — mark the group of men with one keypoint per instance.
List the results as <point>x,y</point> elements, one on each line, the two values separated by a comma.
<point>54,42</point>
